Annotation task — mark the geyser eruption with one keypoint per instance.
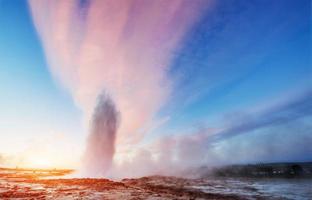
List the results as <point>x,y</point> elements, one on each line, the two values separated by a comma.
<point>125,47</point>
<point>101,140</point>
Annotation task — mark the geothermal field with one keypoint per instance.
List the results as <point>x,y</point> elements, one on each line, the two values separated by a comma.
<point>55,184</point>
<point>155,99</point>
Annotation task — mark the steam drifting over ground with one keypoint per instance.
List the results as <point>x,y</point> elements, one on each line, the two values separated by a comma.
<point>251,137</point>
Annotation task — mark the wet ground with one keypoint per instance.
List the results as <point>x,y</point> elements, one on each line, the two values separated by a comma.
<point>33,184</point>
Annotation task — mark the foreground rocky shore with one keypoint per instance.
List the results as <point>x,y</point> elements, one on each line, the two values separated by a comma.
<point>45,184</point>
<point>27,187</point>
<point>106,189</point>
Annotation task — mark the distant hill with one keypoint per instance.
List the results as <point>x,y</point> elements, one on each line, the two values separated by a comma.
<point>264,170</point>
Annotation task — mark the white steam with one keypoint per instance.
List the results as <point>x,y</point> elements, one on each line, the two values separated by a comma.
<point>122,46</point>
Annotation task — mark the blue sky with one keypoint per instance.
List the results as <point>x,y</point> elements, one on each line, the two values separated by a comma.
<point>239,56</point>
<point>31,103</point>
<point>242,54</point>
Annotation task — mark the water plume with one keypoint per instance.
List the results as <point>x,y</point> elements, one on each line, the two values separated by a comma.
<point>101,141</point>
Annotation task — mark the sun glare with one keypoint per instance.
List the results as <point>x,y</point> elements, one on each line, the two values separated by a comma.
<point>39,162</point>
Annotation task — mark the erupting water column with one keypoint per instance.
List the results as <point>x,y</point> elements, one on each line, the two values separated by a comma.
<point>101,141</point>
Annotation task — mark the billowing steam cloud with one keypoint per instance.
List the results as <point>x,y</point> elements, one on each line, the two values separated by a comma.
<point>279,133</point>
<point>122,46</point>
<point>101,142</point>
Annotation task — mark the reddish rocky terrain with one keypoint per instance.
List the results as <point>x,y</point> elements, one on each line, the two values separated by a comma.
<point>33,184</point>
<point>51,184</point>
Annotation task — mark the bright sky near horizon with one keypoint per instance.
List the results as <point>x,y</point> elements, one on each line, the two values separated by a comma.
<point>238,63</point>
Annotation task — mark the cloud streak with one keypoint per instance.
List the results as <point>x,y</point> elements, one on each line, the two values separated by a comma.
<point>292,110</point>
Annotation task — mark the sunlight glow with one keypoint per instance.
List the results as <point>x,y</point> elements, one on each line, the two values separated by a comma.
<point>39,162</point>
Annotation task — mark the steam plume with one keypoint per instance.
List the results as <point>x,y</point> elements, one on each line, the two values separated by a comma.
<point>122,46</point>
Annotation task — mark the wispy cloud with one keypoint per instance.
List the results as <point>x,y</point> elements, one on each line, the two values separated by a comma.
<point>294,109</point>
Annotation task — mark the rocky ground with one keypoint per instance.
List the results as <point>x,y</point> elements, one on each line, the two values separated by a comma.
<point>19,184</point>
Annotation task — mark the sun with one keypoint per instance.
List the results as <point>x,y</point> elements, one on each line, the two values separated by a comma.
<point>39,162</point>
